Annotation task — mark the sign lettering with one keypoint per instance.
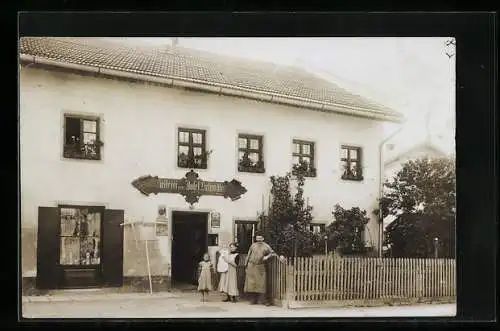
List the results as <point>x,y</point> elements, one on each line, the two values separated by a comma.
<point>191,187</point>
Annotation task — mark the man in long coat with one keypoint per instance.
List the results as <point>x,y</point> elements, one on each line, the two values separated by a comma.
<point>255,271</point>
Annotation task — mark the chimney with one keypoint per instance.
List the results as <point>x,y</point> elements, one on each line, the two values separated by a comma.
<point>175,42</point>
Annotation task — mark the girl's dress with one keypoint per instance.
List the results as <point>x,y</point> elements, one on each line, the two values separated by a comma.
<point>229,280</point>
<point>205,277</point>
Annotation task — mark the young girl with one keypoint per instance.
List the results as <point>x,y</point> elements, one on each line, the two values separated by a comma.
<point>228,283</point>
<point>205,276</point>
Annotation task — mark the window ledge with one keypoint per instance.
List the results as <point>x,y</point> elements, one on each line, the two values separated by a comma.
<point>310,174</point>
<point>81,158</point>
<point>352,179</point>
<point>254,170</point>
<point>194,168</point>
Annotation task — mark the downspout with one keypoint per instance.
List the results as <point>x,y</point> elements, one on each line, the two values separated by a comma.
<point>381,188</point>
<point>218,88</point>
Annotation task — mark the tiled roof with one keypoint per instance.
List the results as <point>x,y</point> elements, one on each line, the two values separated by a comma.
<point>207,67</point>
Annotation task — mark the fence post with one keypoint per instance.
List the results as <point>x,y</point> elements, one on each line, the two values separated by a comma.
<point>290,284</point>
<point>419,283</point>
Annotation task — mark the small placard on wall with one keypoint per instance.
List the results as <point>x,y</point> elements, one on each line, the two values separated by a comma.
<point>213,239</point>
<point>215,220</point>
<point>161,229</point>
<point>161,221</point>
<point>162,211</point>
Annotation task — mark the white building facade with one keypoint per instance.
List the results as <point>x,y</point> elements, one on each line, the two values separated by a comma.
<point>77,201</point>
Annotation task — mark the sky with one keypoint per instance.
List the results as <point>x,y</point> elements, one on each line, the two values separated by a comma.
<point>414,76</point>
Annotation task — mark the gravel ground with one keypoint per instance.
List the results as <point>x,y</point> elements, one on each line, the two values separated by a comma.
<point>191,306</point>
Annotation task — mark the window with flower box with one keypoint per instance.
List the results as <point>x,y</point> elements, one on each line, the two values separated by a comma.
<point>191,152</point>
<point>303,151</point>
<point>250,153</point>
<point>81,138</point>
<point>351,163</point>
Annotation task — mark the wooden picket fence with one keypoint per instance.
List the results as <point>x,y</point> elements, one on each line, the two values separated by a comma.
<point>332,280</point>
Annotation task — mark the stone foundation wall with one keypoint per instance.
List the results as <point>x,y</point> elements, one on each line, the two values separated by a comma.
<point>141,284</point>
<point>130,284</point>
<point>134,262</point>
<point>28,251</point>
<point>135,258</point>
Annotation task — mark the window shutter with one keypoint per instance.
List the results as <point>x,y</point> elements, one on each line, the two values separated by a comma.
<point>261,149</point>
<point>47,260</point>
<point>98,132</point>
<point>81,132</point>
<point>112,247</point>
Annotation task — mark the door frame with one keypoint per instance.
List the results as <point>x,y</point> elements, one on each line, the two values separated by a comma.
<point>172,210</point>
<point>185,212</point>
<point>50,272</point>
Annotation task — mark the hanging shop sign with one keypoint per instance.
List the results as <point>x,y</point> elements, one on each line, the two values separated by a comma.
<point>191,187</point>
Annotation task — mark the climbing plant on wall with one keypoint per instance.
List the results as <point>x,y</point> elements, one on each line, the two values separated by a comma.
<point>287,225</point>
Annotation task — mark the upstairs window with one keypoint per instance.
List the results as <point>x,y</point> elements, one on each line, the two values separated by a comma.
<point>351,163</point>
<point>81,138</point>
<point>303,151</point>
<point>191,151</point>
<point>244,233</point>
<point>250,153</point>
<point>317,228</point>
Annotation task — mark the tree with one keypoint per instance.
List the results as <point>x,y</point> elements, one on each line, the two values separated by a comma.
<point>422,197</point>
<point>346,230</point>
<point>287,227</point>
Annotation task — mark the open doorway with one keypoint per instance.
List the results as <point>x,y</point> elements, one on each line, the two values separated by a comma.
<point>189,243</point>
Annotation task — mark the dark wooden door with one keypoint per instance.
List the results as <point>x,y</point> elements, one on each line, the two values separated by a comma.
<point>112,248</point>
<point>189,243</point>
<point>199,243</point>
<point>48,274</point>
<point>180,252</point>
